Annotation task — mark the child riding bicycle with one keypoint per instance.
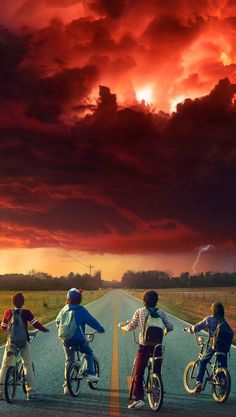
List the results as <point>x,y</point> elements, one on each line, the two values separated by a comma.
<point>145,349</point>
<point>18,318</point>
<point>76,317</point>
<point>213,324</point>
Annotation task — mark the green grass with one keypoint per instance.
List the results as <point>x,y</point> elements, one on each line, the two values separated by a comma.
<point>45,305</point>
<point>194,305</point>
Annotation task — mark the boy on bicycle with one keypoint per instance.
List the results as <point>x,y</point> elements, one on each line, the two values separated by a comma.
<point>150,299</point>
<point>209,323</point>
<point>82,317</point>
<point>26,317</point>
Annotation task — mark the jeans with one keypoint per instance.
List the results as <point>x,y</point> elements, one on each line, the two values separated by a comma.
<point>222,360</point>
<point>141,361</point>
<point>27,363</point>
<point>70,357</point>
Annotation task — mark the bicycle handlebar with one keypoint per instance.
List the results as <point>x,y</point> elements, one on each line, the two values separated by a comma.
<point>90,336</point>
<point>32,336</point>
<point>201,340</point>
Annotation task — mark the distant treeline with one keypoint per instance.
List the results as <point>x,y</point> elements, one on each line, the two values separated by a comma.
<point>142,279</point>
<point>163,279</point>
<point>42,281</point>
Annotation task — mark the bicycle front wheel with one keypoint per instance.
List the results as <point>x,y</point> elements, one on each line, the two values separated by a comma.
<point>10,384</point>
<point>190,374</point>
<point>73,379</point>
<point>221,385</point>
<point>155,391</point>
<point>94,385</point>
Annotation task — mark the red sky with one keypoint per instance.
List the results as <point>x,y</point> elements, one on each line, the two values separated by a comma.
<point>95,175</point>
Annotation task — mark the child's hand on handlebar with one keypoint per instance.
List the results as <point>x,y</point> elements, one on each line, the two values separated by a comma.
<point>122,324</point>
<point>188,329</point>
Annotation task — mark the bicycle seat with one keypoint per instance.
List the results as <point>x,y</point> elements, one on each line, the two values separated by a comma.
<point>12,350</point>
<point>151,359</point>
<point>220,353</point>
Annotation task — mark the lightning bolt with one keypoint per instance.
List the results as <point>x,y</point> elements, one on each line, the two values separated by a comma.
<point>201,250</point>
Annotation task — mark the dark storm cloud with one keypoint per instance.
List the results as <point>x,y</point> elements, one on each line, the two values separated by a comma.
<point>109,177</point>
<point>126,180</point>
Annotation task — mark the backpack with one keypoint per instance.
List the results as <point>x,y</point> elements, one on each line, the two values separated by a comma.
<point>67,326</point>
<point>222,337</point>
<point>152,331</point>
<point>17,333</point>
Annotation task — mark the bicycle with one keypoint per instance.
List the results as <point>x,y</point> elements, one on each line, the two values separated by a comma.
<point>15,375</point>
<point>218,377</point>
<point>78,370</point>
<point>152,383</point>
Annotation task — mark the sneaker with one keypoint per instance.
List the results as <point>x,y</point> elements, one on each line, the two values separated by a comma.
<point>198,388</point>
<point>66,391</point>
<point>93,378</point>
<point>34,396</point>
<point>136,404</point>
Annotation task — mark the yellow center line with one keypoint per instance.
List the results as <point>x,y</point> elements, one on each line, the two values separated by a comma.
<point>115,394</point>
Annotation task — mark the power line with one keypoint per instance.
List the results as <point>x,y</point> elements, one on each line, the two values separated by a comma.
<point>75,258</point>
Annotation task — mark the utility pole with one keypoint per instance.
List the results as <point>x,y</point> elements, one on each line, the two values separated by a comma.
<point>90,269</point>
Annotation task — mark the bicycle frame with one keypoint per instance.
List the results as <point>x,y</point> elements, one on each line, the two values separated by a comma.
<point>18,358</point>
<point>152,360</point>
<point>209,373</point>
<point>15,374</point>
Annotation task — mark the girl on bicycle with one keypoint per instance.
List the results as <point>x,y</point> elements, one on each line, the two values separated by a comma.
<point>150,299</point>
<point>82,317</point>
<point>210,324</point>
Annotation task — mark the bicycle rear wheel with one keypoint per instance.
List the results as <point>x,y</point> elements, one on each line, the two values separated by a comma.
<point>94,385</point>
<point>221,385</point>
<point>10,384</point>
<point>190,374</point>
<point>73,379</point>
<point>155,391</point>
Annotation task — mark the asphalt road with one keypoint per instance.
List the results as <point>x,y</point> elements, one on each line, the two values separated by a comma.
<point>116,354</point>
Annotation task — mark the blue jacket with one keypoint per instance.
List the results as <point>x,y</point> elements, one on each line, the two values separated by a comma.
<point>82,317</point>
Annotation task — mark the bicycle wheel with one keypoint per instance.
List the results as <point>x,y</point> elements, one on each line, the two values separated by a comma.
<point>155,391</point>
<point>189,378</point>
<point>221,385</point>
<point>10,384</point>
<point>73,379</point>
<point>94,385</point>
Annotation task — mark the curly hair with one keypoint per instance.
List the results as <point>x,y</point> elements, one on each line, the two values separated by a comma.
<point>18,300</point>
<point>217,309</point>
<point>150,298</point>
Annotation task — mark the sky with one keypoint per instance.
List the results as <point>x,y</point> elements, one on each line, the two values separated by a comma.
<point>117,135</point>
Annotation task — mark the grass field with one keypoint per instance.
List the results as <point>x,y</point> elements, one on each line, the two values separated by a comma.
<point>45,305</point>
<point>194,304</point>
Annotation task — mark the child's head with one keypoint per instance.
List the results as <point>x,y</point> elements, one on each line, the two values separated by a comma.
<point>218,310</point>
<point>150,298</point>
<point>18,300</point>
<point>74,296</point>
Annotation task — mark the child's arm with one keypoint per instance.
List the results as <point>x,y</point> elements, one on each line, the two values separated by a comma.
<point>202,325</point>
<point>132,324</point>
<point>5,320</point>
<point>92,322</point>
<point>32,320</point>
<point>166,321</point>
